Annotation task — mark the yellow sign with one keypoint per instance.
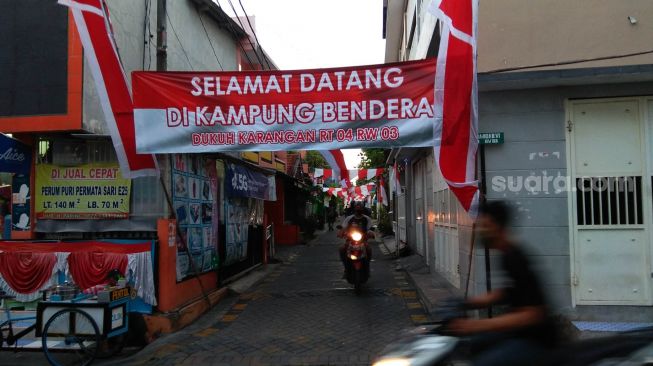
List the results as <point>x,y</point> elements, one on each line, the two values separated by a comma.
<point>96,191</point>
<point>120,293</point>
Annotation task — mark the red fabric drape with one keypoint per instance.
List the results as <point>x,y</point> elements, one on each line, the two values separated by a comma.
<point>26,272</point>
<point>91,268</point>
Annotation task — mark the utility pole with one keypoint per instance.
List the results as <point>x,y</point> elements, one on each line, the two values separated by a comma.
<point>161,36</point>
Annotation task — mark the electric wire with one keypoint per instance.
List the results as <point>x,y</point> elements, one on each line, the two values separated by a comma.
<point>147,35</point>
<point>255,36</point>
<point>150,35</point>
<point>180,44</point>
<point>248,39</point>
<point>209,39</point>
<point>571,62</point>
<point>144,35</point>
<point>251,64</point>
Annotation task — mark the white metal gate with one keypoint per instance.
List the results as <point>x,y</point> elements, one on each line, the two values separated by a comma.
<point>419,207</point>
<point>610,201</point>
<point>401,217</point>
<point>446,243</point>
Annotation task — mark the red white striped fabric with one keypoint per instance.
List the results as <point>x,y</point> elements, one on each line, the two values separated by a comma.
<point>395,184</point>
<point>383,196</point>
<point>336,161</point>
<point>94,27</point>
<point>364,190</point>
<point>339,192</point>
<point>366,174</point>
<point>456,126</point>
<point>323,173</point>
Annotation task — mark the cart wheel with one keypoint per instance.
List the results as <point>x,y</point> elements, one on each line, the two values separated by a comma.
<point>112,346</point>
<point>70,337</point>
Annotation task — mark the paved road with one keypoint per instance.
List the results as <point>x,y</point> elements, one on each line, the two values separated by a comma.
<point>301,314</point>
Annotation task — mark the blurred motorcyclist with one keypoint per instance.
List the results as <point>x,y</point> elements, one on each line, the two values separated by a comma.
<point>525,331</point>
<point>360,220</point>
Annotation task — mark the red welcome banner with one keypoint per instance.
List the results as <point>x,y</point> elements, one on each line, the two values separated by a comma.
<point>324,109</point>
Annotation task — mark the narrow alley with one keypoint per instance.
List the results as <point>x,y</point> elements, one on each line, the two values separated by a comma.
<point>302,313</point>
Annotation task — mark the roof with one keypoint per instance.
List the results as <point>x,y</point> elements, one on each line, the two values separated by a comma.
<point>220,17</point>
<point>564,77</point>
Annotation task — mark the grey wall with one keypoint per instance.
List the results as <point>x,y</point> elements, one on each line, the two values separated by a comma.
<point>129,18</point>
<point>533,122</point>
<point>183,16</point>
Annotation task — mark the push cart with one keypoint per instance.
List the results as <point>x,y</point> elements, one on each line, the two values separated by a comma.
<point>78,330</point>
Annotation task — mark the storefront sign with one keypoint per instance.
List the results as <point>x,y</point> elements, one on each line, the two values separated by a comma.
<point>95,191</point>
<point>15,157</point>
<point>243,182</point>
<point>368,106</point>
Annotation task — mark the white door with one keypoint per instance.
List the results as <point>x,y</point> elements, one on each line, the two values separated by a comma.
<point>446,230</point>
<point>610,205</point>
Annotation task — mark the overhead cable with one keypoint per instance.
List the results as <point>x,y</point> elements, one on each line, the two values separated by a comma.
<point>255,36</point>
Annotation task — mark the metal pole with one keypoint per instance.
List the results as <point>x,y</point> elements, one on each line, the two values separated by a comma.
<point>488,277</point>
<point>161,36</point>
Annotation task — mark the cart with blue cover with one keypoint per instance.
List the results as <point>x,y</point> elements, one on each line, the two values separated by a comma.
<point>75,330</point>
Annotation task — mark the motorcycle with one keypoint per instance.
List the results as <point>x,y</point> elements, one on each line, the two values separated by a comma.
<point>431,344</point>
<point>357,263</point>
<point>428,344</point>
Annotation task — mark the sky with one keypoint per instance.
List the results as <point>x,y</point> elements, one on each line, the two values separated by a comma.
<point>310,34</point>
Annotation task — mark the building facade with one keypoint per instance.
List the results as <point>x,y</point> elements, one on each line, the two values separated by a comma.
<point>50,101</point>
<point>571,92</point>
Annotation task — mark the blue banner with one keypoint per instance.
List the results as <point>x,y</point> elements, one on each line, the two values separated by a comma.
<point>243,182</point>
<point>15,157</point>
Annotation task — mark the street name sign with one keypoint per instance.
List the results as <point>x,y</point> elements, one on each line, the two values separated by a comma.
<point>490,138</point>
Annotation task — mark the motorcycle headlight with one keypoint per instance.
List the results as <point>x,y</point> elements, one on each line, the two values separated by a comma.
<point>356,236</point>
<point>353,257</point>
<point>393,362</point>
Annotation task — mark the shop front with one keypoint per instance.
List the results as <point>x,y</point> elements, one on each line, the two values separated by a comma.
<point>78,221</point>
<point>246,189</point>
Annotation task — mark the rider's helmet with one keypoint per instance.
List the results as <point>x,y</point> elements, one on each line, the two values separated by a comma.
<point>359,208</point>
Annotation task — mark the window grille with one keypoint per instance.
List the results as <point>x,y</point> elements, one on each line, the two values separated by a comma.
<point>609,201</point>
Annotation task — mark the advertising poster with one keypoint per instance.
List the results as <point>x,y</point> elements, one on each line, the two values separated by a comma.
<point>237,230</point>
<point>193,202</point>
<point>243,182</point>
<point>20,203</point>
<point>92,191</point>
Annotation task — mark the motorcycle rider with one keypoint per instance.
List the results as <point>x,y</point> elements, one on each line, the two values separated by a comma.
<point>525,332</point>
<point>360,220</point>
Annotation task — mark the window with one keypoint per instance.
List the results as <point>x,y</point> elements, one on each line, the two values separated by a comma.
<point>609,201</point>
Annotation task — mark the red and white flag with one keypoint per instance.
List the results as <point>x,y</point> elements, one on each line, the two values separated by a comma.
<point>336,161</point>
<point>322,173</point>
<point>94,27</point>
<point>364,190</point>
<point>365,174</point>
<point>383,197</point>
<point>395,184</point>
<point>456,113</point>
